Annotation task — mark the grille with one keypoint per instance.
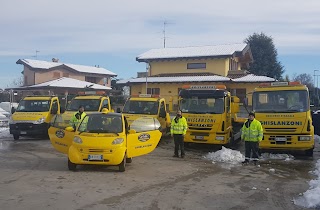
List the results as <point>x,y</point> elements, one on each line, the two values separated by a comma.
<point>199,134</point>
<point>280,130</point>
<point>199,128</point>
<point>273,140</point>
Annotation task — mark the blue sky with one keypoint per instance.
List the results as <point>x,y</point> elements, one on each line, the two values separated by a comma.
<point>112,34</point>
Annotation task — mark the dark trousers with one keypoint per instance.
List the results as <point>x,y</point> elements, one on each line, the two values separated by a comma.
<point>178,143</point>
<point>252,148</point>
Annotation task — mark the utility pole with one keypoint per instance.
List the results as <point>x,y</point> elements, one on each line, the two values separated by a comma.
<point>316,96</point>
<point>164,33</point>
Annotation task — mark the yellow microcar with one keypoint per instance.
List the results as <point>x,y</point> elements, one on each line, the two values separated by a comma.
<point>104,138</point>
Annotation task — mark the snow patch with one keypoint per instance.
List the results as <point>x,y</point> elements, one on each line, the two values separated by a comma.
<point>4,133</point>
<point>286,157</point>
<point>225,155</point>
<point>311,198</point>
<point>317,138</point>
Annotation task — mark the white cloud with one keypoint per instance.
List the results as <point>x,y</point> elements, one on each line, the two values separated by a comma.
<point>108,26</point>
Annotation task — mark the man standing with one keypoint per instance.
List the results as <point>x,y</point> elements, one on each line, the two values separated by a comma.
<point>178,130</point>
<point>252,134</point>
<point>77,117</point>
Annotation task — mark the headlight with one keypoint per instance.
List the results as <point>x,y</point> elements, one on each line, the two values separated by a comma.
<point>41,120</point>
<point>304,138</point>
<point>220,138</point>
<point>77,140</point>
<point>118,141</point>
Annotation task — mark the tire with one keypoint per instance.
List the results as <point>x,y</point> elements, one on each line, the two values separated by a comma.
<point>129,160</point>
<point>309,152</point>
<point>72,166</point>
<point>122,165</point>
<point>16,136</point>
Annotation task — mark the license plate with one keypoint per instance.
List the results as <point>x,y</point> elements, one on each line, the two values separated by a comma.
<point>95,157</point>
<point>281,139</point>
<point>200,137</point>
<point>23,132</point>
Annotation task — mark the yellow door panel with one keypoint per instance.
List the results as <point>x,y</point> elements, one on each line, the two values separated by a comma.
<point>142,143</point>
<point>61,139</point>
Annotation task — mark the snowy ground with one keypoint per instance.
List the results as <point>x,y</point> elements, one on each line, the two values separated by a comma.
<point>4,133</point>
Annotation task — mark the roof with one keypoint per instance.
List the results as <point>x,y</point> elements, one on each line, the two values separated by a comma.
<point>210,78</point>
<point>192,52</point>
<point>254,78</point>
<point>65,82</point>
<point>38,64</point>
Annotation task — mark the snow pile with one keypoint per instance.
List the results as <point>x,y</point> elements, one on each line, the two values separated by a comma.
<point>225,155</point>
<point>286,157</point>
<point>4,133</point>
<point>311,198</point>
<point>317,138</point>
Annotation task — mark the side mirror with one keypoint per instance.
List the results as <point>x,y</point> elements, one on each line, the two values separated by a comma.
<point>131,131</point>
<point>13,110</point>
<point>118,110</point>
<point>69,129</point>
<point>62,110</point>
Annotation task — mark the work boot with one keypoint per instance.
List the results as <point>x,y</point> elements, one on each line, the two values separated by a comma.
<point>256,162</point>
<point>245,162</point>
<point>182,156</point>
<point>175,156</point>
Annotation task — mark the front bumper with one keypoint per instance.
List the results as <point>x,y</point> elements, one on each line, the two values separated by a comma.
<point>29,129</point>
<point>286,142</point>
<point>207,137</point>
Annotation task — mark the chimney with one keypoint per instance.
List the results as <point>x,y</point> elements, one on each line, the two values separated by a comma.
<point>56,60</point>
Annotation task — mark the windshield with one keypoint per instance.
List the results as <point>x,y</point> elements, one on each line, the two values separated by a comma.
<point>286,101</point>
<point>141,107</point>
<point>101,123</point>
<point>89,104</point>
<point>202,105</point>
<point>33,106</point>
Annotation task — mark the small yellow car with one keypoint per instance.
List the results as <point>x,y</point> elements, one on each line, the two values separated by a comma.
<point>104,138</point>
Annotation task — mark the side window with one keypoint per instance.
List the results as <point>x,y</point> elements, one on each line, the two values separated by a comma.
<point>228,104</point>
<point>105,104</point>
<point>162,107</point>
<point>54,105</point>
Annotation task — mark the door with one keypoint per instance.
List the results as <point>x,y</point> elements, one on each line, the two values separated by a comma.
<point>162,116</point>
<point>60,139</point>
<point>145,139</point>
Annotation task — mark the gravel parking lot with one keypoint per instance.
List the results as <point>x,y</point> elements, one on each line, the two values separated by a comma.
<point>34,176</point>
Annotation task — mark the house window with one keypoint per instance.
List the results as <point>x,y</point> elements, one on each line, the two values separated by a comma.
<point>56,74</point>
<point>65,74</point>
<point>196,66</point>
<point>154,91</point>
<point>91,79</point>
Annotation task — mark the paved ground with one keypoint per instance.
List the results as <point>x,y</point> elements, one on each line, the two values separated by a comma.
<point>34,176</point>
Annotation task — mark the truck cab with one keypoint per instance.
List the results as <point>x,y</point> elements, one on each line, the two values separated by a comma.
<point>283,108</point>
<point>33,115</point>
<point>91,101</point>
<point>147,105</point>
<point>209,111</point>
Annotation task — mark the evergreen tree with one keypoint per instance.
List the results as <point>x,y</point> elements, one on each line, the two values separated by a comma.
<point>264,54</point>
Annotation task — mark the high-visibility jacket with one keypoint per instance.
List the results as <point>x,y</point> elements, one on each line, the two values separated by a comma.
<point>179,127</point>
<point>252,131</point>
<point>74,121</point>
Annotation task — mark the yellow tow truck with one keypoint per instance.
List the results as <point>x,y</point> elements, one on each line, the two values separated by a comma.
<point>283,108</point>
<point>104,138</point>
<point>33,115</point>
<point>93,101</point>
<point>211,114</point>
<point>147,105</point>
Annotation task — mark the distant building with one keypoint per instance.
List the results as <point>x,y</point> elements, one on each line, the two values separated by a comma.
<point>37,71</point>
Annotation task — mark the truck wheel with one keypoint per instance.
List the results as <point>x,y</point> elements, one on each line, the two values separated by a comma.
<point>309,152</point>
<point>129,160</point>
<point>122,165</point>
<point>71,166</point>
<point>16,136</point>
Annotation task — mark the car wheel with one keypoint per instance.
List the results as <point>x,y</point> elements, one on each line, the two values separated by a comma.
<point>129,160</point>
<point>309,152</point>
<point>122,165</point>
<point>71,166</point>
<point>16,136</point>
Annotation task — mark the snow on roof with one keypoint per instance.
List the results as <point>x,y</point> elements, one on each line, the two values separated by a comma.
<point>254,78</point>
<point>213,78</point>
<point>37,64</point>
<point>187,52</point>
<point>70,83</point>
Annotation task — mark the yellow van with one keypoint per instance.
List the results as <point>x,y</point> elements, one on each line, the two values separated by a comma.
<point>33,115</point>
<point>104,138</point>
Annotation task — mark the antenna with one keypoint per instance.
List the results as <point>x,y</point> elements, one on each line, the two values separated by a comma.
<point>36,56</point>
<point>164,32</point>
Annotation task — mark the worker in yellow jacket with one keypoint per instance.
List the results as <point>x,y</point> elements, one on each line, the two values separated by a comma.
<point>252,134</point>
<point>178,129</point>
<point>77,117</point>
